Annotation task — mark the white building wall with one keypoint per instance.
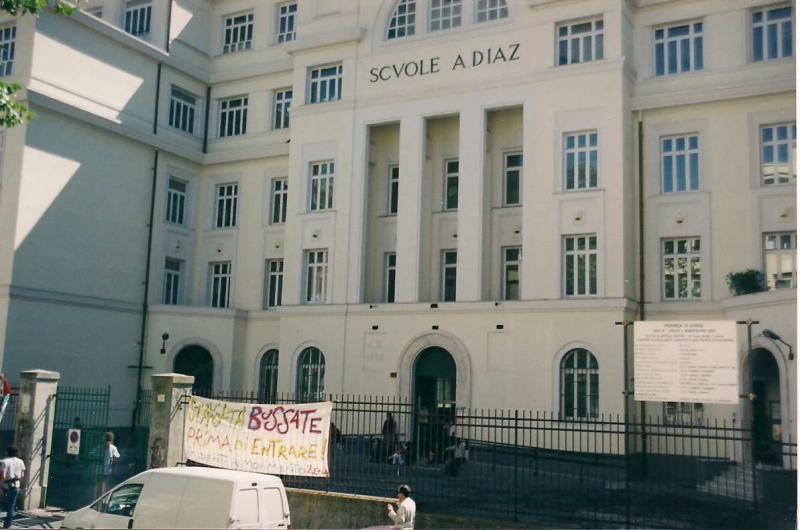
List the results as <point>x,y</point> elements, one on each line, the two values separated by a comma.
<point>86,75</point>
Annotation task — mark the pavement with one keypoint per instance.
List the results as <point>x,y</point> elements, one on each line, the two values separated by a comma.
<point>46,518</point>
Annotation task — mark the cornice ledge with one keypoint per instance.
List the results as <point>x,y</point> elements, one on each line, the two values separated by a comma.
<point>138,45</point>
<point>249,153</point>
<point>710,93</point>
<point>85,116</point>
<point>329,38</point>
<point>533,4</point>
<point>254,70</point>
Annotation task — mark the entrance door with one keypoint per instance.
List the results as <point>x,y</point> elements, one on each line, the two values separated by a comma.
<point>196,361</point>
<point>765,384</point>
<point>435,401</point>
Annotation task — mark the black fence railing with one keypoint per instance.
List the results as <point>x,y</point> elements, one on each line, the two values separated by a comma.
<point>540,469</point>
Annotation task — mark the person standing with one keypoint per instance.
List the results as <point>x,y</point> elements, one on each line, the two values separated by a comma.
<point>389,431</point>
<point>12,471</point>
<point>111,456</point>
<point>406,509</point>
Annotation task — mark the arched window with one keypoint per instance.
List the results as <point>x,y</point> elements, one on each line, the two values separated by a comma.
<point>310,375</point>
<point>403,21</point>
<point>268,377</point>
<point>579,385</point>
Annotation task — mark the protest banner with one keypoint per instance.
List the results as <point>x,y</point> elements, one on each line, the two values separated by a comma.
<point>284,439</point>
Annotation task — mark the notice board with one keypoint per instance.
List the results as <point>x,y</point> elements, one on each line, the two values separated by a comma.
<point>691,361</point>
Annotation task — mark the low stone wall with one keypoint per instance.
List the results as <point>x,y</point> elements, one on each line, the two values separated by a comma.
<point>316,510</point>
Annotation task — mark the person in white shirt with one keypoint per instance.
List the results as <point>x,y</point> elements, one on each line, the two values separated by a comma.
<point>406,509</point>
<point>12,471</point>
<point>110,460</point>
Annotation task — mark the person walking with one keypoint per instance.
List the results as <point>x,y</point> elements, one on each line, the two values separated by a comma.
<point>12,471</point>
<point>406,509</point>
<point>110,455</point>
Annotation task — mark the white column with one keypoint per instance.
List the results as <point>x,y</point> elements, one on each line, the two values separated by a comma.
<point>528,274</point>
<point>471,148</point>
<point>358,218</point>
<point>409,208</point>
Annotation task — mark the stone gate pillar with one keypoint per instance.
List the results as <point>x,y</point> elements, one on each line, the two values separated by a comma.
<point>33,432</point>
<point>168,405</point>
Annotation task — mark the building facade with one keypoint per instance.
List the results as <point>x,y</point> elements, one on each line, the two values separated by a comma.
<point>448,201</point>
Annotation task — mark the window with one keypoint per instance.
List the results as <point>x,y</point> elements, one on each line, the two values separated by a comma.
<point>394,189</point>
<point>390,264</point>
<point>220,284</point>
<point>310,375</point>
<point>322,180</point>
<point>679,164</point>
<point>445,14</point>
<point>511,171</point>
<point>122,501</point>
<point>511,260</point>
<point>283,101</point>
<point>679,49</point>
<point>182,107</point>
<point>280,194</point>
<point>680,260</point>
<point>580,42</point>
<point>172,282</point>
<point>227,199</point>
<point>326,84</point>
<point>451,185</point>
<point>580,385</point>
<point>137,16</point>
<point>778,154</point>
<point>273,283</point>
<point>233,116</point>
<point>287,22</point>
<point>490,10</point>
<point>8,37</point>
<point>176,201</point>
<point>316,276</point>
<point>268,377</point>
<point>580,265</point>
<point>580,161</point>
<point>238,33</point>
<point>449,270</point>
<point>403,21</point>
<point>772,33</point>
<point>780,260</point>
<point>682,413</point>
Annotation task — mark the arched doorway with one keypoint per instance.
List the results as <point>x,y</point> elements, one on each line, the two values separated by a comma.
<point>766,412</point>
<point>434,402</point>
<point>196,361</point>
<point>435,382</point>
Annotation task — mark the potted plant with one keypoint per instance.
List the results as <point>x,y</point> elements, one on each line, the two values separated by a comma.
<point>745,282</point>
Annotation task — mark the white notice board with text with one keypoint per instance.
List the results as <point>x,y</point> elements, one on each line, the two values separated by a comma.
<point>691,361</point>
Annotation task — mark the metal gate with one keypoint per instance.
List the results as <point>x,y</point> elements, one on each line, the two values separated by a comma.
<point>74,479</point>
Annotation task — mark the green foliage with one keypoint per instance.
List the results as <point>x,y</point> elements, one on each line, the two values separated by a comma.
<point>745,282</point>
<point>34,7</point>
<point>13,113</point>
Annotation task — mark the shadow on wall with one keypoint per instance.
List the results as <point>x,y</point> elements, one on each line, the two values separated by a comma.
<point>81,234</point>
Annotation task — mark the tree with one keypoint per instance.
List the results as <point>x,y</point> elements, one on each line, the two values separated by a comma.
<point>13,113</point>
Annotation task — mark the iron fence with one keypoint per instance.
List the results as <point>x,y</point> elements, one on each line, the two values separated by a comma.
<point>7,423</point>
<point>538,468</point>
<point>75,480</point>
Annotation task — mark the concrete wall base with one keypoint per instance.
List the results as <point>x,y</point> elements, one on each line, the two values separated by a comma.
<point>314,509</point>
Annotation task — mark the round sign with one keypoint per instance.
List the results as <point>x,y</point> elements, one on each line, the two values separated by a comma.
<point>73,437</point>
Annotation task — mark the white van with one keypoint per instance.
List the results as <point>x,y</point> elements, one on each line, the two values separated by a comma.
<point>189,497</point>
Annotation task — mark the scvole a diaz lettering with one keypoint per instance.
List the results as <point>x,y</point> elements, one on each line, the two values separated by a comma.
<point>433,65</point>
<point>279,439</point>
